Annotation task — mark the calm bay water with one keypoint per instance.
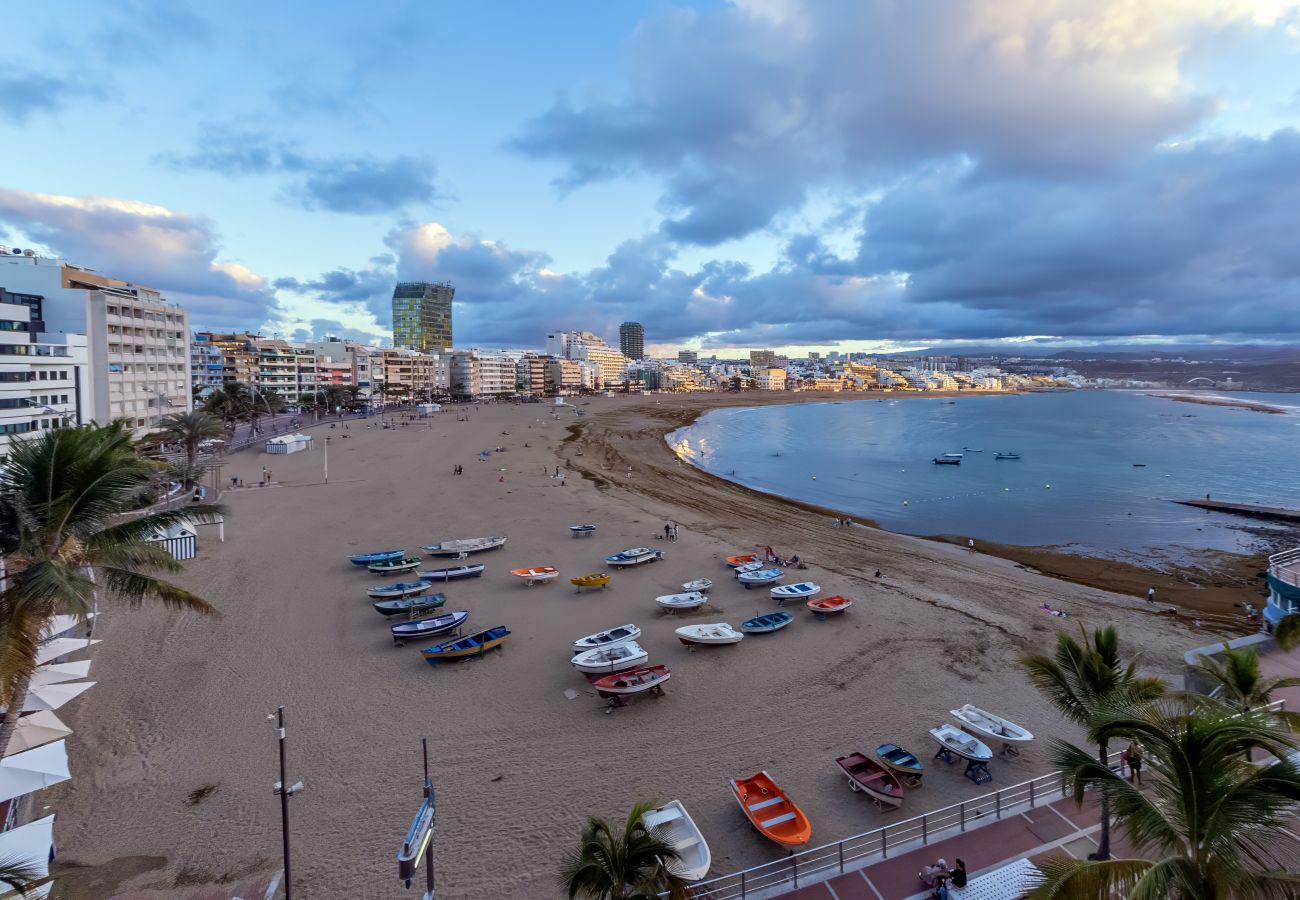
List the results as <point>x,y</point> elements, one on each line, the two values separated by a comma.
<point>872,459</point>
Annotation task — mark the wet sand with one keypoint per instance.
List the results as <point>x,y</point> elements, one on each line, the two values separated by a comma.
<point>174,757</point>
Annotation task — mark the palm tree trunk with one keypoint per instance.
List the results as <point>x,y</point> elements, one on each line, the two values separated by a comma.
<point>1103,846</point>
<point>17,700</point>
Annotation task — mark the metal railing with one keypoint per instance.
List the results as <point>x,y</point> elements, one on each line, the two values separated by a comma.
<point>1285,567</point>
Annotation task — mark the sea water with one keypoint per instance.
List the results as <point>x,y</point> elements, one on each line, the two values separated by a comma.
<point>1075,485</point>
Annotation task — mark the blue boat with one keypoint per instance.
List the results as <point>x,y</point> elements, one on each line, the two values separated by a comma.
<point>405,631</point>
<point>768,623</point>
<point>463,648</point>
<point>904,764</point>
<point>451,573</point>
<point>365,559</point>
<point>582,530</point>
<point>401,589</point>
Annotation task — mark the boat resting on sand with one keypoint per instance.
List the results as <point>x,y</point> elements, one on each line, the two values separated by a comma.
<point>464,547</point>
<point>674,826</point>
<point>711,633</point>
<point>986,724</point>
<point>741,560</point>
<point>409,606</point>
<point>874,779</point>
<point>620,635</point>
<point>759,576</point>
<point>393,566</point>
<point>401,589</point>
<point>786,592</point>
<point>634,557</point>
<point>699,584</point>
<point>470,645</point>
<point>595,580</point>
<point>828,606</point>
<point>604,660</point>
<point>536,574</point>
<point>637,681</point>
<point>365,559</point>
<point>450,574</point>
<point>766,624</point>
<point>959,743</point>
<point>771,811</point>
<point>905,765</point>
<point>748,567</point>
<point>582,530</point>
<point>421,628</point>
<point>675,602</point>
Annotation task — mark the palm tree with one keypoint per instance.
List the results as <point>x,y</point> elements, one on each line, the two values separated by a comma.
<point>633,865</point>
<point>1210,825</point>
<point>1286,633</point>
<point>63,535</point>
<point>189,429</point>
<point>1242,686</point>
<point>1083,680</point>
<point>18,875</point>
<point>231,403</point>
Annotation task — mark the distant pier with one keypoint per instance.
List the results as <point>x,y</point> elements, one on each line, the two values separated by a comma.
<point>1276,513</point>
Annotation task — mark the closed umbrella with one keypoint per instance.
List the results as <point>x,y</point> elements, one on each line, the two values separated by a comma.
<point>36,729</point>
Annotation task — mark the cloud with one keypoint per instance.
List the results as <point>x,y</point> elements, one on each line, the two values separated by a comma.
<point>148,244</point>
<point>744,109</point>
<point>25,93</point>
<point>360,185</point>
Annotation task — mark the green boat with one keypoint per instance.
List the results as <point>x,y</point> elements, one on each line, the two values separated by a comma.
<point>410,606</point>
<point>393,566</point>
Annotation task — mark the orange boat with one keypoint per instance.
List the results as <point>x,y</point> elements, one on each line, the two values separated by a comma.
<point>826,606</point>
<point>734,561</point>
<point>536,574</point>
<point>770,811</point>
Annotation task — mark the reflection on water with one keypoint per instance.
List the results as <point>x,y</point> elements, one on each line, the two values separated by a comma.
<point>1097,469</point>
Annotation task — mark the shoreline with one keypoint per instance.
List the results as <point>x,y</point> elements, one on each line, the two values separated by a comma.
<point>1251,405</point>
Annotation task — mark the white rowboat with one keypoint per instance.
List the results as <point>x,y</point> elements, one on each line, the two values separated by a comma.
<point>620,635</point>
<point>464,547</point>
<point>806,589</point>
<point>962,744</point>
<point>699,584</point>
<point>762,576</point>
<point>988,725</point>
<point>618,658</point>
<point>674,826</point>
<point>712,633</point>
<point>689,600</point>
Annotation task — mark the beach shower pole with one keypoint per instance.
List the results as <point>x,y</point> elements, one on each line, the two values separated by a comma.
<point>285,794</point>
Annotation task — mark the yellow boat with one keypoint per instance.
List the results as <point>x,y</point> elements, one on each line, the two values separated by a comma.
<point>598,580</point>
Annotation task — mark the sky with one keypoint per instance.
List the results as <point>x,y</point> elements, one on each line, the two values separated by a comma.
<point>789,174</point>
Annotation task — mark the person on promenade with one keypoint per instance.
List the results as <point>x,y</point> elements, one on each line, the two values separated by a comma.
<point>668,530</point>
<point>959,874</point>
<point>1151,595</point>
<point>933,874</point>
<point>970,545</point>
<point>1134,754</point>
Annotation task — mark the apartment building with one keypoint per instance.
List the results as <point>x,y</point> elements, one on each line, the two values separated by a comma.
<point>41,382</point>
<point>277,368</point>
<point>530,375</point>
<point>563,376</point>
<point>771,379</point>
<point>409,375</point>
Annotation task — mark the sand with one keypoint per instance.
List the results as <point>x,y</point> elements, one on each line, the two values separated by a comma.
<point>181,703</point>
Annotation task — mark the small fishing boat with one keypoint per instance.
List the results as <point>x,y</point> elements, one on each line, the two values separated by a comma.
<point>872,778</point>
<point>451,574</point>
<point>905,765</point>
<point>735,561</point>
<point>759,576</point>
<point>1139,465</point>
<point>828,606</point>
<point>634,557</point>
<point>595,580</point>
<point>393,566</point>
<point>1004,454</point>
<point>401,589</point>
<point>365,559</point>
<point>792,591</point>
<point>536,574</point>
<point>674,826</point>
<point>675,602</point>
<point>959,743</point>
<point>771,811</point>
<point>986,724</point>
<point>464,547</point>
<point>637,681</point>
<point>767,624</point>
<point>953,455</point>
<point>618,658</point>
<point>748,567</point>
<point>699,584</point>
<point>582,530</point>
<point>973,449</point>
<point>620,635</point>
<point>713,633</point>
<point>944,461</point>
<point>421,628</point>
<point>470,645</point>
<point>410,605</point>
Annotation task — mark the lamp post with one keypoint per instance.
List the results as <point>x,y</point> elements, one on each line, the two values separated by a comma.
<point>327,459</point>
<point>284,794</point>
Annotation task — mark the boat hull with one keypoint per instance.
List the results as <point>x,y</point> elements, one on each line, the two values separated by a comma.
<point>623,634</point>
<point>872,778</point>
<point>771,811</point>
<point>466,647</point>
<point>451,574</point>
<point>768,624</point>
<point>716,634</point>
<point>675,827</point>
<point>423,628</point>
<point>632,682</point>
<point>461,549</point>
<point>901,761</point>
<point>410,606</point>
<point>392,568</point>
<point>397,591</point>
<point>366,559</point>
<point>608,660</point>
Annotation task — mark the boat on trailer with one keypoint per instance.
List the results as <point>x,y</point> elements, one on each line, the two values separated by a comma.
<point>410,606</point>
<point>604,660</point>
<point>393,566</point>
<point>434,625</point>
<point>872,778</point>
<point>451,574</point>
<point>709,633</point>
<point>748,567</point>
<point>401,589</point>
<point>597,580</point>
<point>771,811</point>
<point>795,591</point>
<point>675,827</point>
<point>634,557</point>
<point>829,606</point>
<point>468,646</point>
<point>620,635</point>
<point>365,559</point>
<point>743,559</point>
<point>676,602</point>
<point>636,681</point>
<point>959,743</point>
<point>464,547</point>
<point>532,575</point>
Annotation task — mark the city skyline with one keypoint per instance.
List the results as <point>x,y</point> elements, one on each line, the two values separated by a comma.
<point>867,178</point>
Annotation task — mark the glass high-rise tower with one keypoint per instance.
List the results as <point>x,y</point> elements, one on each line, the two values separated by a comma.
<point>422,315</point>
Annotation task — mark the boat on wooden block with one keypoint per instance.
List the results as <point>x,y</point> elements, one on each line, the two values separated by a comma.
<point>620,635</point>
<point>799,590</point>
<point>365,559</point>
<point>532,575</point>
<point>749,567</point>
<point>988,725</point>
<point>829,606</point>
<point>464,547</point>
<point>452,573</point>
<point>635,681</point>
<point>905,765</point>
<point>873,779</point>
<point>771,811</point>
<point>595,580</point>
<point>759,576</point>
<point>434,625</point>
<point>393,566</point>
<point>677,602</point>
<point>465,647</point>
<point>744,559</point>
<point>634,557</point>
<point>604,660</point>
<point>767,624</point>
<point>582,530</point>
<point>709,633</point>
<point>959,743</point>
<point>410,606</point>
<point>401,589</point>
<point>674,826</point>
<point>699,584</point>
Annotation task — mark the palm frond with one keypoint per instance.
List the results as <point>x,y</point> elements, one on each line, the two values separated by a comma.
<point>1064,878</point>
<point>137,587</point>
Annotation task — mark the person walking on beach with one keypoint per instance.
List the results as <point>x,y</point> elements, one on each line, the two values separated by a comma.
<point>1134,753</point>
<point>668,530</point>
<point>263,474</point>
<point>673,538</point>
<point>1151,595</point>
<point>970,545</point>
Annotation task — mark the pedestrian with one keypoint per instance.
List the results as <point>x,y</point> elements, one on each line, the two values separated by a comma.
<point>668,530</point>
<point>1135,762</point>
<point>1151,595</point>
<point>557,471</point>
<point>268,476</point>
<point>263,474</point>
<point>674,532</point>
<point>234,480</point>
<point>970,545</point>
<point>1196,623</point>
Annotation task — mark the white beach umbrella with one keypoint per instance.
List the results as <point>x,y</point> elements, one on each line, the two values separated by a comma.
<point>60,625</point>
<point>52,696</point>
<point>30,844</point>
<point>56,673</point>
<point>36,729</point>
<point>53,649</point>
<point>33,770</point>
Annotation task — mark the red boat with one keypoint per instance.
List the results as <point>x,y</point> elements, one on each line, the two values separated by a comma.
<point>872,778</point>
<point>826,606</point>
<point>635,681</point>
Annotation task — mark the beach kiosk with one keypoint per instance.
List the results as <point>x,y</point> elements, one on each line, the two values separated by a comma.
<point>289,443</point>
<point>427,409</point>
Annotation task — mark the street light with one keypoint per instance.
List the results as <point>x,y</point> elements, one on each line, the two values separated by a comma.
<point>284,794</point>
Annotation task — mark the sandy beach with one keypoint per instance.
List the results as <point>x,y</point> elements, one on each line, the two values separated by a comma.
<point>174,757</point>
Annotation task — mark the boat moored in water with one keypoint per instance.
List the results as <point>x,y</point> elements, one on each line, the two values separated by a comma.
<point>1006,454</point>
<point>947,461</point>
